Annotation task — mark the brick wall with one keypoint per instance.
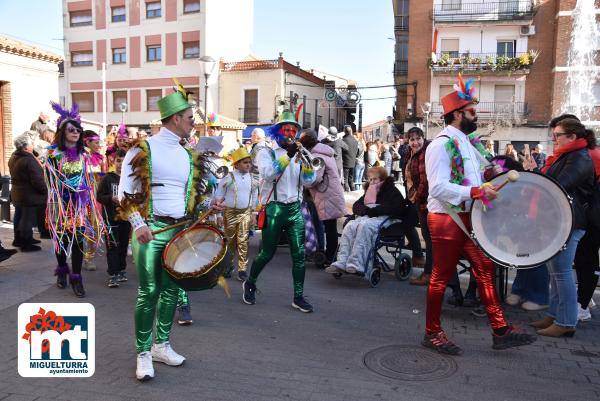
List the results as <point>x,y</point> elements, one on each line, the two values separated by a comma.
<point>6,122</point>
<point>419,50</point>
<point>540,81</point>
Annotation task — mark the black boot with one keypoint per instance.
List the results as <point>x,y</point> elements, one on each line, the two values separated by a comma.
<point>61,276</point>
<point>77,285</point>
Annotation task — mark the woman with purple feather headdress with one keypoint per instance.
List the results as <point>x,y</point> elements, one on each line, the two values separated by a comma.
<point>72,214</point>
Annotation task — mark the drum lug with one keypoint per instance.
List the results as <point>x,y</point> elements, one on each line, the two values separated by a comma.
<point>473,236</point>
<point>564,247</point>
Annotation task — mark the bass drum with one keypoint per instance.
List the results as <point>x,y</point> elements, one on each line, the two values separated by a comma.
<point>195,258</point>
<point>529,223</point>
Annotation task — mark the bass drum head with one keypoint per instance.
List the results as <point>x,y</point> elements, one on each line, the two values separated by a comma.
<point>529,223</point>
<point>195,258</point>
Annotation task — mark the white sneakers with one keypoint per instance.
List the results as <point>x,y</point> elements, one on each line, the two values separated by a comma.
<point>532,306</point>
<point>165,354</point>
<point>513,299</point>
<point>159,353</point>
<point>144,370</point>
<point>583,315</point>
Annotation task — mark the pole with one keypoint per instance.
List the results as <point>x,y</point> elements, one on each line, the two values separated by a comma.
<point>205,104</point>
<point>304,111</point>
<point>360,111</point>
<point>103,133</point>
<point>316,126</point>
<point>329,116</point>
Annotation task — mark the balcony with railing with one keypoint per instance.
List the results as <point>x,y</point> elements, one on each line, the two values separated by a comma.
<point>513,111</point>
<point>458,11</point>
<point>401,23</point>
<point>401,67</point>
<point>511,62</point>
<point>248,115</point>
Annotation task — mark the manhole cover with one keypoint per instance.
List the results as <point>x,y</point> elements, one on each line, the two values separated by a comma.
<point>404,362</point>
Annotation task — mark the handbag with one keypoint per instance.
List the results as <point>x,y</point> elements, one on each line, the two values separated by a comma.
<point>261,219</point>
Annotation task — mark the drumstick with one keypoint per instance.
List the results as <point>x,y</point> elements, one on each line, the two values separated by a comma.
<point>511,176</point>
<point>202,217</point>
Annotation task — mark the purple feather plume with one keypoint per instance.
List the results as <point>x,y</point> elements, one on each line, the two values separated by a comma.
<point>64,114</point>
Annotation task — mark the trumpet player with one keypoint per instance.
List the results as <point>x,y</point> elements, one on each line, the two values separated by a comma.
<point>283,173</point>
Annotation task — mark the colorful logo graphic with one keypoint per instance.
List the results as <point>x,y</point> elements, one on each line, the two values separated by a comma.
<point>56,340</point>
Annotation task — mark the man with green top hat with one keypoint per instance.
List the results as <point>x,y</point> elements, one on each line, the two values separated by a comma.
<point>157,189</point>
<point>283,175</point>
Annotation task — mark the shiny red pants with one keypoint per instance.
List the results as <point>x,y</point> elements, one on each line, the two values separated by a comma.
<point>449,244</point>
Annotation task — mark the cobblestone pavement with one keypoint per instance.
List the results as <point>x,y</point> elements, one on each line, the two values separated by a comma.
<point>269,351</point>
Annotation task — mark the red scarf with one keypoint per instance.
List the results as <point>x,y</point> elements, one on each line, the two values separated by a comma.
<point>577,144</point>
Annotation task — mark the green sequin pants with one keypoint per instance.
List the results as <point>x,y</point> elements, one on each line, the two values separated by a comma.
<point>157,293</point>
<point>289,217</point>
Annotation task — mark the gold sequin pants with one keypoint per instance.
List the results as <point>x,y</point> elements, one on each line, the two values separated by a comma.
<point>237,226</point>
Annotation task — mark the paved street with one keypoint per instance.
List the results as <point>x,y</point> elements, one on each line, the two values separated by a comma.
<point>271,352</point>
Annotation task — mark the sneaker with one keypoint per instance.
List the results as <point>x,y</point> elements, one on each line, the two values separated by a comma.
<point>122,276</point>
<point>512,338</point>
<point>242,276</point>
<point>185,315</point>
<point>302,304</point>
<point>165,354</point>
<point>351,270</point>
<point>249,296</point>
<point>479,312</point>
<point>113,281</point>
<point>514,299</point>
<point>441,343</point>
<point>6,253</point>
<point>583,315</point>
<point>89,265</point>
<point>144,370</point>
<point>532,306</point>
<point>592,304</point>
<point>332,269</point>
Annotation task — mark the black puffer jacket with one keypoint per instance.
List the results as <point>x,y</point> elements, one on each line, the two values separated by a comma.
<point>575,173</point>
<point>27,178</point>
<point>349,155</point>
<point>390,200</point>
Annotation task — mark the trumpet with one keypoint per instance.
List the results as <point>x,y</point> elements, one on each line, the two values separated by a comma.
<point>316,163</point>
<point>216,170</point>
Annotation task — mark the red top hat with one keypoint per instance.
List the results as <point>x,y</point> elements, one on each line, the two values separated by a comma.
<point>462,96</point>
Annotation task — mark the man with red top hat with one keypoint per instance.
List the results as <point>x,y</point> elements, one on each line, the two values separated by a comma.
<point>453,165</point>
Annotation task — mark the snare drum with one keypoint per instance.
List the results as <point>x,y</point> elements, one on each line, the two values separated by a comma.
<point>195,257</point>
<point>530,222</point>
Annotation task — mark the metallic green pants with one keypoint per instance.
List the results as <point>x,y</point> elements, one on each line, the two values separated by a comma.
<point>289,217</point>
<point>157,293</point>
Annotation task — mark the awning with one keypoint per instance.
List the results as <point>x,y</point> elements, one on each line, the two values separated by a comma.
<point>248,131</point>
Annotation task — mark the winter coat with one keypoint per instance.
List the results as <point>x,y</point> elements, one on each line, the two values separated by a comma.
<point>389,200</point>
<point>337,147</point>
<point>327,192</point>
<point>349,155</point>
<point>105,193</point>
<point>27,178</point>
<point>575,173</point>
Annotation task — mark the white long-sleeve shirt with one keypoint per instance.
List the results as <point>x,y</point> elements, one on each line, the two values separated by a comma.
<point>238,191</point>
<point>170,174</point>
<point>438,168</point>
<point>289,186</point>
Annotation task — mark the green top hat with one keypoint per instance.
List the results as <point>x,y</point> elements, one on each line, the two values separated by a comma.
<point>171,104</point>
<point>287,117</point>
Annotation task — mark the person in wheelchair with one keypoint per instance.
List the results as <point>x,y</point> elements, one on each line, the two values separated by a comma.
<point>381,200</point>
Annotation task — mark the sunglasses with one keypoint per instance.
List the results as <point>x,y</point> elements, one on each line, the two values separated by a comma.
<point>72,130</point>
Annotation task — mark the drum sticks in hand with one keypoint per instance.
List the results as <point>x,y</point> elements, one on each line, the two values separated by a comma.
<point>511,176</point>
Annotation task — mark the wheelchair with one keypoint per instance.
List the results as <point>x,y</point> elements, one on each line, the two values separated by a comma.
<point>391,238</point>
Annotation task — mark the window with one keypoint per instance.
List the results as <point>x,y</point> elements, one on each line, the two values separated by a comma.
<point>80,18</point>
<point>118,14</point>
<point>153,10</point>
<point>118,98</point>
<point>307,120</point>
<point>504,93</point>
<point>191,50</point>
<point>448,5</point>
<point>79,59</point>
<point>152,98</point>
<point>250,106</point>
<point>191,6</point>
<point>450,47</point>
<point>153,53</point>
<point>506,48</point>
<point>119,56</point>
<point>446,90</point>
<point>85,100</point>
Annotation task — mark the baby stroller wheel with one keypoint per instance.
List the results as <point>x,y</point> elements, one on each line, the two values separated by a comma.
<point>403,267</point>
<point>374,277</point>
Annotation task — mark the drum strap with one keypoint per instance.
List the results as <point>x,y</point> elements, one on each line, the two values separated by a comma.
<point>452,213</point>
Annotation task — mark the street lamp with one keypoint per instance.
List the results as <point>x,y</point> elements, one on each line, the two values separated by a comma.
<point>208,65</point>
<point>426,107</point>
<point>123,108</point>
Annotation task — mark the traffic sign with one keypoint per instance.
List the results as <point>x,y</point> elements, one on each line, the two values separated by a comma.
<point>330,95</point>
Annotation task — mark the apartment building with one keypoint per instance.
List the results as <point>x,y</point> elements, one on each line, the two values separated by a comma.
<point>516,50</point>
<point>255,91</point>
<point>144,44</point>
